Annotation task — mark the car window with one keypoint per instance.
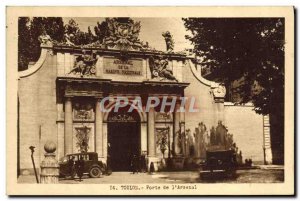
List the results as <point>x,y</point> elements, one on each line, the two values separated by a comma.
<point>63,159</point>
<point>86,157</point>
<point>75,157</point>
<point>92,157</point>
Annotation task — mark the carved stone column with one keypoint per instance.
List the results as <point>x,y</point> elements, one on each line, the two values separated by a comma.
<point>176,134</point>
<point>99,131</point>
<point>151,133</point>
<point>68,126</point>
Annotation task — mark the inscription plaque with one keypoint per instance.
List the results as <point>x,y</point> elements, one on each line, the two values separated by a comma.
<point>133,67</point>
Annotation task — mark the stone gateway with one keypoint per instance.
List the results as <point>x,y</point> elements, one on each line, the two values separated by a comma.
<point>60,100</point>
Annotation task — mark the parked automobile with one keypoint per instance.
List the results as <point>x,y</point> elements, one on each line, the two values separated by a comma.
<point>219,164</point>
<point>92,166</point>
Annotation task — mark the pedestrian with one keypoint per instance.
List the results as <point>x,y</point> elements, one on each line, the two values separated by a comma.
<point>80,168</point>
<point>72,167</point>
<point>108,168</point>
<point>143,163</point>
<point>151,168</point>
<point>134,164</point>
<point>250,162</point>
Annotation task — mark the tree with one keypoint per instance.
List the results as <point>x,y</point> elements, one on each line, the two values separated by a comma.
<point>30,30</point>
<point>248,48</point>
<point>23,42</point>
<point>72,27</point>
<point>101,30</point>
<point>55,28</point>
<point>79,37</point>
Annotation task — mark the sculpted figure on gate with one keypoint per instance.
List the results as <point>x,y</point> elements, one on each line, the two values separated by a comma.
<point>85,65</point>
<point>159,69</point>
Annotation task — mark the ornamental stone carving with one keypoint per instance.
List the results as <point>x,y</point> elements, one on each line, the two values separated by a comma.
<point>85,65</point>
<point>162,140</point>
<point>45,39</point>
<point>49,166</point>
<point>123,34</point>
<point>219,92</point>
<point>83,111</point>
<point>83,137</point>
<point>163,117</point>
<point>160,70</point>
<point>169,41</point>
<point>68,38</point>
<point>122,118</point>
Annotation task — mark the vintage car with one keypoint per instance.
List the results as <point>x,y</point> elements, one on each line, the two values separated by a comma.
<point>219,164</point>
<point>92,166</point>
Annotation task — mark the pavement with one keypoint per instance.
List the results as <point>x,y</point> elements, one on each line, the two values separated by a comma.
<point>263,175</point>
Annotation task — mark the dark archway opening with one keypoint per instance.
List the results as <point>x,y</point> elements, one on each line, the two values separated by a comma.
<point>123,139</point>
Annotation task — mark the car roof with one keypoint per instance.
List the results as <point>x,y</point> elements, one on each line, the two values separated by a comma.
<point>219,151</point>
<point>82,153</point>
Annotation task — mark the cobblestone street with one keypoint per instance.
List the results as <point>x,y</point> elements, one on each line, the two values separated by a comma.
<point>243,176</point>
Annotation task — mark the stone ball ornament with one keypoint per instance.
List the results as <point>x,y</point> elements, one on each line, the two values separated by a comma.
<point>50,147</point>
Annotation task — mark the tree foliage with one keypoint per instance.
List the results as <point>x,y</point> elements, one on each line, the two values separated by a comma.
<point>30,30</point>
<point>77,36</point>
<point>101,30</point>
<point>248,48</point>
<point>252,48</point>
<point>23,43</point>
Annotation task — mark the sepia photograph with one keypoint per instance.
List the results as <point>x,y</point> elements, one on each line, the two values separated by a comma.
<point>150,104</point>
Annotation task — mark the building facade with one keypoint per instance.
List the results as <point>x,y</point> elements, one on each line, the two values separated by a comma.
<point>70,96</point>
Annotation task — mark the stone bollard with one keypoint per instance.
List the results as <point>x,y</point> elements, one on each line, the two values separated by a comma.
<point>49,166</point>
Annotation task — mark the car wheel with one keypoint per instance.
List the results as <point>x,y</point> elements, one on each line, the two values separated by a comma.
<point>95,172</point>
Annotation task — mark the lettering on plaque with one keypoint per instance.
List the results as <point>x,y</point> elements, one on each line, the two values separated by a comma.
<point>132,67</point>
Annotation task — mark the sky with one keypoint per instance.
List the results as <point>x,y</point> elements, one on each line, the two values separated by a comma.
<point>151,30</point>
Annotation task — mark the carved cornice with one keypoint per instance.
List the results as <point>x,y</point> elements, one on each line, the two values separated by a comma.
<point>115,52</point>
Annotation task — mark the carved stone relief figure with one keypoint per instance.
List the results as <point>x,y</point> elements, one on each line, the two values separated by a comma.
<point>180,138</point>
<point>159,69</point>
<point>221,133</point>
<point>190,148</point>
<point>82,136</point>
<point>200,141</point>
<point>162,140</point>
<point>213,136</point>
<point>203,144</point>
<point>83,111</point>
<point>163,117</point>
<point>85,65</point>
<point>220,138</point>
<point>68,38</point>
<point>45,39</point>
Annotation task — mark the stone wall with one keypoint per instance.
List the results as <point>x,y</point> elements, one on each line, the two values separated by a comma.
<point>37,97</point>
<point>247,129</point>
<point>209,112</point>
<point>250,132</point>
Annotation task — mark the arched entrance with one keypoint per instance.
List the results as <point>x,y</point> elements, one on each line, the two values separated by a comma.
<point>123,138</point>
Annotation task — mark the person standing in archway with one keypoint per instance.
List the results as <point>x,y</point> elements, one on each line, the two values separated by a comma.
<point>80,168</point>
<point>135,164</point>
<point>72,167</point>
